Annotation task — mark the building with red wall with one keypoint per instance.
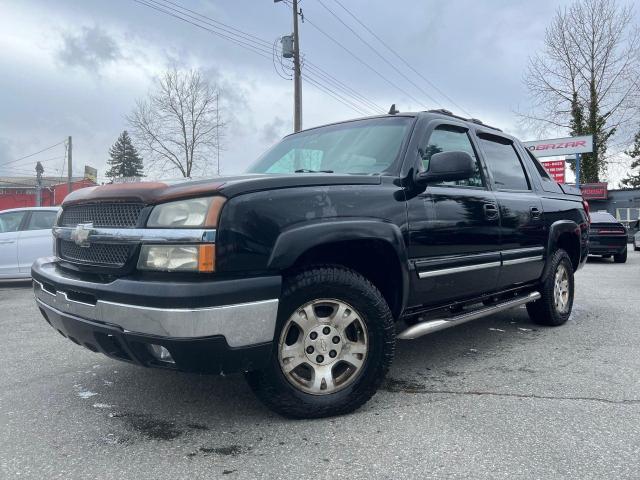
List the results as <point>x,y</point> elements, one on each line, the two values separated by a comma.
<point>16,192</point>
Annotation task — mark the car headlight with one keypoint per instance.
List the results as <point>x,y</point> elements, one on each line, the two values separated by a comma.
<point>195,212</point>
<point>177,258</point>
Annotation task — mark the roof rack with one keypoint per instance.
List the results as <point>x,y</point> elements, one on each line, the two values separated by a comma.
<point>444,111</point>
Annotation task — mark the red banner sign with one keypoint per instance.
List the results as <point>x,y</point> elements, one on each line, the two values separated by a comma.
<point>594,191</point>
<point>555,169</point>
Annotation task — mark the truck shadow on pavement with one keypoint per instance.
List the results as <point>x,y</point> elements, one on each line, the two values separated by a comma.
<point>164,405</point>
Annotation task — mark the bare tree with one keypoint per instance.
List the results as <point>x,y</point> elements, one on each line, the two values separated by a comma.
<point>585,81</point>
<point>178,126</point>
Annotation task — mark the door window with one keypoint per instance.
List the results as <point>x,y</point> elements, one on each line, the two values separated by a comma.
<point>42,220</point>
<point>448,138</point>
<point>10,221</point>
<point>504,163</point>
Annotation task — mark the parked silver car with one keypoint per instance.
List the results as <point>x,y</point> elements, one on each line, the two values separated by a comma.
<point>25,235</point>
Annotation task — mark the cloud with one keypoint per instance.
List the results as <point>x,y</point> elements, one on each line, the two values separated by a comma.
<point>273,131</point>
<point>91,48</point>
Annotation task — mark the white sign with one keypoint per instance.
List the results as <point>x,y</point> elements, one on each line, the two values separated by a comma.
<point>560,146</point>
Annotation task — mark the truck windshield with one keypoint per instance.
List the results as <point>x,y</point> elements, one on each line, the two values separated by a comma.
<point>367,147</point>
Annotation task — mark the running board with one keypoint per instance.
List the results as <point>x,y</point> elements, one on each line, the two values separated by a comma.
<point>430,326</point>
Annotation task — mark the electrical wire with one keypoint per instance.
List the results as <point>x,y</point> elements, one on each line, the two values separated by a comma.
<point>356,57</point>
<point>32,154</point>
<point>374,50</point>
<point>400,57</point>
<point>335,95</point>
<point>252,45</point>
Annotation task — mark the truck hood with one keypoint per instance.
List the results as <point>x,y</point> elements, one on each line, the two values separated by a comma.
<point>162,191</point>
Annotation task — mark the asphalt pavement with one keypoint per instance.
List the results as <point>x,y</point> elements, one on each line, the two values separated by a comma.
<point>497,398</point>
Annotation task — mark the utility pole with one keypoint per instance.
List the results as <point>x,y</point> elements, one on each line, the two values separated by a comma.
<point>291,48</point>
<point>218,130</point>
<point>297,75</point>
<point>69,166</point>
<point>39,172</point>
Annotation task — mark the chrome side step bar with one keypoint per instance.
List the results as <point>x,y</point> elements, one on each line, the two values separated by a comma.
<point>430,326</point>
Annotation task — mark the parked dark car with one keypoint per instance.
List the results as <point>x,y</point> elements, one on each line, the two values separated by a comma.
<point>303,272</point>
<point>607,237</point>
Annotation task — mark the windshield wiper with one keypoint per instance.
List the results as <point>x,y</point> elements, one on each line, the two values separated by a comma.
<point>306,170</point>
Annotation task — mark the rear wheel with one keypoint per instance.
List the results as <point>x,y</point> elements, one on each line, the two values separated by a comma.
<point>620,257</point>
<point>333,346</point>
<point>554,308</point>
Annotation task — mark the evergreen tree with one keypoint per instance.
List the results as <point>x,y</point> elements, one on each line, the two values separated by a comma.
<point>124,159</point>
<point>633,179</point>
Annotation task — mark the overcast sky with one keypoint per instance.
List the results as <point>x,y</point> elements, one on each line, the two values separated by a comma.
<point>76,67</point>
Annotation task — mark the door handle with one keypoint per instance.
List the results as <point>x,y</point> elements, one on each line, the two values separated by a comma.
<point>535,213</point>
<point>5,242</point>
<point>490,211</point>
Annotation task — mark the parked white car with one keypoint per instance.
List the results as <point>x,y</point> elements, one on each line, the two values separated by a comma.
<point>25,235</point>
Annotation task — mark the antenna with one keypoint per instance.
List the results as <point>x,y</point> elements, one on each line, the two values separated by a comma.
<point>393,110</point>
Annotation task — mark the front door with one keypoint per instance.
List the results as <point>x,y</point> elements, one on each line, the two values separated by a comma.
<point>36,239</point>
<point>9,225</point>
<point>523,233</point>
<point>454,228</point>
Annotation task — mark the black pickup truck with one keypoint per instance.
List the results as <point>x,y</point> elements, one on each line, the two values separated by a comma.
<point>304,272</point>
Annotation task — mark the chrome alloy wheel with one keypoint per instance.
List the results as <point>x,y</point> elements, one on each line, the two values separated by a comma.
<point>561,289</point>
<point>323,346</point>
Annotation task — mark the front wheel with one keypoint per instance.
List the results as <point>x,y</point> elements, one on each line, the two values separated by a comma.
<point>333,346</point>
<point>554,308</point>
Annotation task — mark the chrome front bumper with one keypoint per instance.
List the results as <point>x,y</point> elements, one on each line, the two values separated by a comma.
<point>241,324</point>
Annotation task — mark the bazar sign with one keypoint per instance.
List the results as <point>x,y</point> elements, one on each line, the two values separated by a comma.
<point>594,191</point>
<point>561,146</point>
<point>556,169</point>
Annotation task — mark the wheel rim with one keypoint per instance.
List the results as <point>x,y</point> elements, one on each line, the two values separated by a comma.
<point>323,346</point>
<point>561,289</point>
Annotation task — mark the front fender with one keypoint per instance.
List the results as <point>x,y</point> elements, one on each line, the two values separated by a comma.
<point>298,239</point>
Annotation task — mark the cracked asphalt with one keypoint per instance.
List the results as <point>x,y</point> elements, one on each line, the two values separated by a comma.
<point>496,398</point>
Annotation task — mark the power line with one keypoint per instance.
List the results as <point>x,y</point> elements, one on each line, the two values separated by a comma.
<point>32,154</point>
<point>400,89</point>
<point>400,57</point>
<point>252,47</point>
<point>250,44</point>
<point>374,50</point>
<point>345,101</point>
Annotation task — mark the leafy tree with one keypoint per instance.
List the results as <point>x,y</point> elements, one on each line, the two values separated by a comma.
<point>633,179</point>
<point>124,159</point>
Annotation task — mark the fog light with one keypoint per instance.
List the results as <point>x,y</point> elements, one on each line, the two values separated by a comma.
<point>160,353</point>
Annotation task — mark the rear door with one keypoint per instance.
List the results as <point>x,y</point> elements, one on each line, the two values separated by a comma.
<point>10,223</point>
<point>523,233</point>
<point>35,239</point>
<point>454,226</point>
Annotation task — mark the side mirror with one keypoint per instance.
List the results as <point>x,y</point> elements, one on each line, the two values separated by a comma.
<point>447,167</point>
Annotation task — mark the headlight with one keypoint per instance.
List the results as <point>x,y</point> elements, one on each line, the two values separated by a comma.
<point>196,212</point>
<point>177,258</point>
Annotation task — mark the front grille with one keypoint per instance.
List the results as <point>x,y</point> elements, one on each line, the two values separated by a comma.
<point>123,215</point>
<point>96,253</point>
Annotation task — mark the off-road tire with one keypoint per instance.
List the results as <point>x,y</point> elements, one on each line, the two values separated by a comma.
<point>544,311</point>
<point>336,282</point>
<point>620,257</point>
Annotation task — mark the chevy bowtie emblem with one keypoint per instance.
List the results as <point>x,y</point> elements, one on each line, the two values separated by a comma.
<point>80,234</point>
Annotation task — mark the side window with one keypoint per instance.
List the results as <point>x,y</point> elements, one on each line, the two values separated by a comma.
<point>10,221</point>
<point>504,163</point>
<point>448,138</point>
<point>544,175</point>
<point>42,220</point>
